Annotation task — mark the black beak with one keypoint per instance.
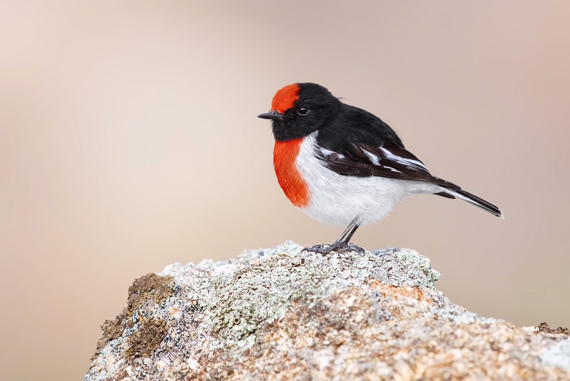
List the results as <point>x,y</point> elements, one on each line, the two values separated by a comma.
<point>274,115</point>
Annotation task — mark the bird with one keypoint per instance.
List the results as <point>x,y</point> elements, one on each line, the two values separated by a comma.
<point>343,165</point>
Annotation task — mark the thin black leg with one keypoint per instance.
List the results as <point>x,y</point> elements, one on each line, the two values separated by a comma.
<point>349,231</point>
<point>349,236</point>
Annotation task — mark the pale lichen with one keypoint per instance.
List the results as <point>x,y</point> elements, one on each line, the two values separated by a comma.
<point>558,354</point>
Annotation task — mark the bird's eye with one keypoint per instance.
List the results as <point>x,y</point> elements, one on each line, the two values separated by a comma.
<point>302,111</point>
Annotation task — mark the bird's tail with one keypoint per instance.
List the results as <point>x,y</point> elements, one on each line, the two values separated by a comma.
<point>477,201</point>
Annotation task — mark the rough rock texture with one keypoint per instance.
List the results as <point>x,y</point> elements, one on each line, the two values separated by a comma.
<point>279,314</point>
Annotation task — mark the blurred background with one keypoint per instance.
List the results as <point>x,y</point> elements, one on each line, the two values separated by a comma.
<point>129,140</point>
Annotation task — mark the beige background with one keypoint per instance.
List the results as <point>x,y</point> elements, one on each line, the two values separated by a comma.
<point>129,140</point>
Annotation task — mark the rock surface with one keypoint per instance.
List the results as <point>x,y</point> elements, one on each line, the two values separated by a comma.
<point>279,314</point>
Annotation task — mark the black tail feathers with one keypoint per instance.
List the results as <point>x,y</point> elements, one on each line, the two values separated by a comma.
<point>472,199</point>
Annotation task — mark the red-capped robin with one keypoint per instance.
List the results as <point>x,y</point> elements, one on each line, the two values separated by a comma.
<point>343,165</point>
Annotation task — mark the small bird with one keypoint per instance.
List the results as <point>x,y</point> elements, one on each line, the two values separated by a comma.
<point>343,165</point>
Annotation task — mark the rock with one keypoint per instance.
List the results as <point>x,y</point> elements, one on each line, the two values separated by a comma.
<point>279,314</point>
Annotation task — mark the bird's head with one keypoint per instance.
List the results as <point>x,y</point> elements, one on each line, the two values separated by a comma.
<point>299,109</point>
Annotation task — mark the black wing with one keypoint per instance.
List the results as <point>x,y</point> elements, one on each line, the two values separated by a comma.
<point>387,160</point>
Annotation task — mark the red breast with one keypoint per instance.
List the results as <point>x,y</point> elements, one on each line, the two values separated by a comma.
<point>291,181</point>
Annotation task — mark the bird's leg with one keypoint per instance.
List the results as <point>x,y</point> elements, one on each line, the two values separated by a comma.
<point>341,245</point>
<point>348,236</point>
<point>348,232</point>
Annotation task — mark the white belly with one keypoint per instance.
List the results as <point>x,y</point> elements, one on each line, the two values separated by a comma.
<point>338,199</point>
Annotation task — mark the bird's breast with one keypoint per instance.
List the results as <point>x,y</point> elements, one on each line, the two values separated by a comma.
<point>284,160</point>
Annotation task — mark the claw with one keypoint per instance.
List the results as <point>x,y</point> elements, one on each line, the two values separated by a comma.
<point>353,247</point>
<point>340,248</point>
<point>318,249</point>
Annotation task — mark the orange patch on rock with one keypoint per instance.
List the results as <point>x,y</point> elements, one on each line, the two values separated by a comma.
<point>284,156</point>
<point>285,98</point>
<point>408,291</point>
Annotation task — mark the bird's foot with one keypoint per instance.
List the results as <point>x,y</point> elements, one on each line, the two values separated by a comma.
<point>335,247</point>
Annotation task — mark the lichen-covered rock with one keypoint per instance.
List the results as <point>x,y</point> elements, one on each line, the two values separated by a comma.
<point>279,314</point>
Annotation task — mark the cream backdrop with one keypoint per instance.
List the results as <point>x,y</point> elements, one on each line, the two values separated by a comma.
<point>129,140</point>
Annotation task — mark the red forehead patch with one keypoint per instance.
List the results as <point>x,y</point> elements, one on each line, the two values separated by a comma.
<point>285,98</point>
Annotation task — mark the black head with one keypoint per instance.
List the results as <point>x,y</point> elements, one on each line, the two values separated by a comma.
<point>300,109</point>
